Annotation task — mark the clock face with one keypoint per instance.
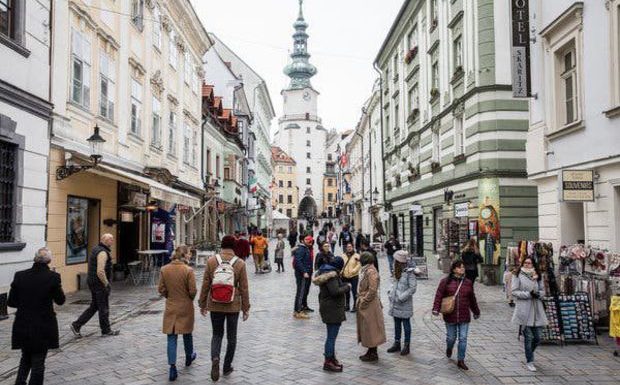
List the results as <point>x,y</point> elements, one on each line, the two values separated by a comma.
<point>485,213</point>
<point>306,96</point>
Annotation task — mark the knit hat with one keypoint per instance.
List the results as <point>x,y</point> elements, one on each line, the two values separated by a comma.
<point>401,256</point>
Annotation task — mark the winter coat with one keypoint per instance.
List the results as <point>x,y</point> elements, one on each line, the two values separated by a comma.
<point>471,261</point>
<point>302,262</point>
<point>332,293</point>
<point>370,324</point>
<point>177,283</point>
<point>401,295</point>
<point>392,247</point>
<point>292,238</point>
<point>464,302</point>
<point>345,238</point>
<point>259,245</point>
<point>279,252</point>
<point>242,248</point>
<point>528,311</point>
<point>242,292</point>
<point>351,268</point>
<point>322,259</point>
<point>33,293</point>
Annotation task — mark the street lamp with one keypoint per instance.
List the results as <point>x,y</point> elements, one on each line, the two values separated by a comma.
<point>96,143</point>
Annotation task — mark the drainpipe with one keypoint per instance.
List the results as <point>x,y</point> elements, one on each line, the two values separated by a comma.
<point>381,129</point>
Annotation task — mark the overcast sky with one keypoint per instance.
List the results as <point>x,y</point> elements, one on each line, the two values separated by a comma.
<point>345,36</point>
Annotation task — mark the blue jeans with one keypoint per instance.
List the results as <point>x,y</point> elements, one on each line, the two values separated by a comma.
<point>330,341</point>
<point>402,323</point>
<point>390,258</point>
<point>531,338</point>
<point>460,329</point>
<point>188,343</point>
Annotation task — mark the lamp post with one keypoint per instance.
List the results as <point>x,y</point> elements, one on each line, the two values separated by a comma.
<point>95,141</point>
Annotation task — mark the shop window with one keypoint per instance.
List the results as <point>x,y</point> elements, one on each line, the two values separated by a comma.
<point>157,28</point>
<point>156,126</point>
<point>137,13</point>
<point>136,107</point>
<point>172,133</point>
<point>437,215</point>
<point>82,228</point>
<point>80,68</point>
<point>107,91</point>
<point>8,187</point>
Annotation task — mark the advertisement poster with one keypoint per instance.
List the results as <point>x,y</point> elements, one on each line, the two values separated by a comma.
<point>488,220</point>
<point>158,232</point>
<point>77,230</point>
<point>162,232</point>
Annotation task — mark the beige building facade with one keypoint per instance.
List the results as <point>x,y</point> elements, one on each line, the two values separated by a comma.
<point>284,193</point>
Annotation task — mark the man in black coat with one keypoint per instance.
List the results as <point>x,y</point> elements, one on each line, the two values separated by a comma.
<point>35,329</point>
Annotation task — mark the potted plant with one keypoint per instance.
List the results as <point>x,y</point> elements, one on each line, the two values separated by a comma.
<point>434,93</point>
<point>411,54</point>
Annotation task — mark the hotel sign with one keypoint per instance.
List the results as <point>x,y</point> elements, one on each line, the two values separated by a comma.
<point>521,76</point>
<point>578,185</point>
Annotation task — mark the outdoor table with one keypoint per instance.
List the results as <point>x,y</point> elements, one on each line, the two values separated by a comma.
<point>152,260</point>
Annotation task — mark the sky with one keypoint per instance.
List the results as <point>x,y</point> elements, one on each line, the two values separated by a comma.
<point>345,37</point>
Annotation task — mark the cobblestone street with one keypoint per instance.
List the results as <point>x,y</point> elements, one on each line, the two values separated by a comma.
<point>274,348</point>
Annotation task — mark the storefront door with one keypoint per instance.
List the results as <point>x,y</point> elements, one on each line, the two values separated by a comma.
<point>128,237</point>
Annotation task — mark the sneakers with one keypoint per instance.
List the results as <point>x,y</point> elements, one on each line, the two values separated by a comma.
<point>173,374</point>
<point>394,348</point>
<point>75,330</point>
<point>530,366</point>
<point>111,333</point>
<point>300,315</point>
<point>190,359</point>
<point>461,365</point>
<point>330,366</point>
<point>215,369</point>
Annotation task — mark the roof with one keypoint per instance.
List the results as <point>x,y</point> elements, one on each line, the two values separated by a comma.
<point>279,215</point>
<point>279,156</point>
<point>207,90</point>
<point>395,25</point>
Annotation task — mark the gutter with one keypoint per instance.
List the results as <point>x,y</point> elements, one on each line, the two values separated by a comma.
<point>375,66</point>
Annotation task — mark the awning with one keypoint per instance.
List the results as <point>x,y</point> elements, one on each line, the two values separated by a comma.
<point>158,190</point>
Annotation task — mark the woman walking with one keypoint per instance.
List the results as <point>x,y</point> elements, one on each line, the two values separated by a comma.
<point>332,293</point>
<point>177,284</point>
<point>456,300</point>
<point>401,301</point>
<point>350,273</point>
<point>279,252</point>
<point>324,256</point>
<point>370,324</point>
<point>471,258</point>
<point>529,314</point>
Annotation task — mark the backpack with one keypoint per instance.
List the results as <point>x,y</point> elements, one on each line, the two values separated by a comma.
<point>223,283</point>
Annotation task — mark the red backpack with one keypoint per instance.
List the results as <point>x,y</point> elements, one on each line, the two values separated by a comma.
<point>223,283</point>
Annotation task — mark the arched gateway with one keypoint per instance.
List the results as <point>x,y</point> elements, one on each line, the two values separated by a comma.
<point>307,209</point>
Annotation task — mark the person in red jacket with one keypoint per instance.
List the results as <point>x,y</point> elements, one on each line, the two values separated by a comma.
<point>457,322</point>
<point>242,247</point>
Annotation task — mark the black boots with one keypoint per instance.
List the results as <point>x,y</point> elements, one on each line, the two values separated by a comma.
<point>449,352</point>
<point>370,356</point>
<point>461,364</point>
<point>395,347</point>
<point>215,369</point>
<point>405,350</point>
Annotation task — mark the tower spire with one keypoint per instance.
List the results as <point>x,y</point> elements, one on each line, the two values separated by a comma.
<point>300,70</point>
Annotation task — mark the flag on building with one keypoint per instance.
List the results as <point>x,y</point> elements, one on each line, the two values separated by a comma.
<point>253,184</point>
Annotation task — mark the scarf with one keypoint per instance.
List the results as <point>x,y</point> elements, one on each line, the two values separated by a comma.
<point>530,273</point>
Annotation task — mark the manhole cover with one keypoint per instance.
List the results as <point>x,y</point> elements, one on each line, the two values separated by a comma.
<point>81,302</point>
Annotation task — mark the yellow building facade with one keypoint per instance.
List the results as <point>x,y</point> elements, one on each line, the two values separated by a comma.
<point>284,193</point>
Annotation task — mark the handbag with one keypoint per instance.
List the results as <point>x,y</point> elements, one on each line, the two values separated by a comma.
<point>448,303</point>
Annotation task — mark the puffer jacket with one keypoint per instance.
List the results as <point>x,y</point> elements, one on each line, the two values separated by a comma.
<point>528,311</point>
<point>401,295</point>
<point>464,304</point>
<point>332,292</point>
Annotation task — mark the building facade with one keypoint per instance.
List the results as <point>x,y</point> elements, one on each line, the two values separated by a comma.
<point>574,121</point>
<point>300,132</point>
<point>284,196</point>
<point>454,137</point>
<point>25,115</point>
<point>133,70</point>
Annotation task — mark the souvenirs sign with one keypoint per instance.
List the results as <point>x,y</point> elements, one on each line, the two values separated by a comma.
<point>578,185</point>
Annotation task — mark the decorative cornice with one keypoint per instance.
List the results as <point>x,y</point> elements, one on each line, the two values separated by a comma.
<point>133,62</point>
<point>109,39</point>
<point>82,14</point>
<point>172,99</point>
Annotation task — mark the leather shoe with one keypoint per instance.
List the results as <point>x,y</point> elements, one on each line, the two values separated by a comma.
<point>394,348</point>
<point>215,369</point>
<point>461,364</point>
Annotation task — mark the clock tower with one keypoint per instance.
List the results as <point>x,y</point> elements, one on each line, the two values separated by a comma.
<point>300,131</point>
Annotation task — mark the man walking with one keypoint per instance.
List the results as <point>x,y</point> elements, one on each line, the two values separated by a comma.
<point>303,271</point>
<point>35,329</point>
<point>345,237</point>
<point>99,275</point>
<point>392,246</point>
<point>259,246</point>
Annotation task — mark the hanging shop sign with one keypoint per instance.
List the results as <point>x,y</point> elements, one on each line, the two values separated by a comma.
<point>416,209</point>
<point>137,199</point>
<point>578,185</point>
<point>461,210</point>
<point>521,76</point>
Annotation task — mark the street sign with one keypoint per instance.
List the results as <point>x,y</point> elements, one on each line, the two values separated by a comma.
<point>578,185</point>
<point>461,210</point>
<point>521,76</point>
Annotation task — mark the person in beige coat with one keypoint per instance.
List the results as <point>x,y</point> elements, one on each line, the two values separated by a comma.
<point>370,324</point>
<point>177,284</point>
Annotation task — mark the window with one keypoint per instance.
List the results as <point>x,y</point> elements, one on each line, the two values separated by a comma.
<point>280,183</point>
<point>329,157</point>
<point>172,129</point>
<point>330,197</point>
<point>156,28</point>
<point>396,116</point>
<point>289,213</point>
<point>308,143</point>
<point>308,181</point>
<point>412,38</point>
<point>173,52</point>
<point>187,65</point>
<point>107,75</point>
<point>217,166</point>
<point>307,130</point>
<point>8,179</point>
<point>569,84</point>
<point>457,54</point>
<point>387,125</point>
<point>194,147</point>
<point>80,69</point>
<point>187,140</point>
<point>307,155</point>
<point>226,173</point>
<point>395,65</point>
<point>136,107</point>
<point>436,146</point>
<point>330,182</point>
<point>290,169</point>
<point>7,18</point>
<point>308,171</point>
<point>434,14</point>
<point>435,76</point>
<point>209,162</point>
<point>137,13</point>
<point>289,184</point>
<point>156,126</point>
<point>415,98</point>
<point>280,198</point>
<point>459,135</point>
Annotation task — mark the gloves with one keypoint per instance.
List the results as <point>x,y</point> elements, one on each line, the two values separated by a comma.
<point>534,294</point>
<point>476,316</point>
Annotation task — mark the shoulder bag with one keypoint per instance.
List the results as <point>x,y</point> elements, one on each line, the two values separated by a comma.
<point>448,303</point>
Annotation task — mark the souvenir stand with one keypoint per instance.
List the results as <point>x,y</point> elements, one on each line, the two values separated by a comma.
<point>454,234</point>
